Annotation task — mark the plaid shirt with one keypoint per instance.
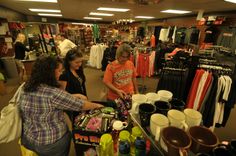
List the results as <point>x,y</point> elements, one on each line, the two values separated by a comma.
<point>42,114</point>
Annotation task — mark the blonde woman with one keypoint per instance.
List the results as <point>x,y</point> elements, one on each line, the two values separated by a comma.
<point>120,75</point>
<point>20,50</point>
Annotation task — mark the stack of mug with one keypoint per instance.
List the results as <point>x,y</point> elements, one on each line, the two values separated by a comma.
<point>177,129</point>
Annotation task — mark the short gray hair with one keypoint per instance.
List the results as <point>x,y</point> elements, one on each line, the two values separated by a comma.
<point>123,48</point>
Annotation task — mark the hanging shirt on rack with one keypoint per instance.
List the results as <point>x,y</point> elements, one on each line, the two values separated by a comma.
<point>193,89</point>
<point>200,89</point>
<point>223,90</point>
<point>163,34</point>
<point>174,34</point>
<point>171,32</point>
<point>65,46</point>
<point>205,90</point>
<point>180,35</point>
<point>227,37</point>
<point>143,65</point>
<point>153,41</point>
<point>210,35</point>
<point>151,63</point>
<point>194,36</point>
<point>96,55</point>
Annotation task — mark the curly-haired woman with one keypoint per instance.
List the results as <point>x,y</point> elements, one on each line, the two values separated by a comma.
<point>42,104</point>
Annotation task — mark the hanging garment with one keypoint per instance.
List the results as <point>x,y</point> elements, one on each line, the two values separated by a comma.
<point>211,34</point>
<point>180,35</point>
<point>171,32</point>
<point>188,32</point>
<point>96,55</point>
<point>223,90</point>
<point>205,90</point>
<point>202,107</point>
<point>194,87</point>
<point>208,113</point>
<point>153,41</point>
<point>151,63</point>
<point>173,81</point>
<point>227,37</point>
<point>109,55</point>
<point>96,31</point>
<point>200,89</point>
<point>157,33</point>
<point>143,65</point>
<point>163,34</point>
<point>194,36</point>
<point>174,34</point>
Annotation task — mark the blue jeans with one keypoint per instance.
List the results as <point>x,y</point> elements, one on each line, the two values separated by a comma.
<point>59,148</point>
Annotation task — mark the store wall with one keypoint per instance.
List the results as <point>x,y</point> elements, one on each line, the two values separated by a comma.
<point>191,21</point>
<point>11,15</point>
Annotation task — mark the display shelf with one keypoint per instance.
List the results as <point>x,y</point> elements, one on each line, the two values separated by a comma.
<point>150,137</point>
<point>147,134</point>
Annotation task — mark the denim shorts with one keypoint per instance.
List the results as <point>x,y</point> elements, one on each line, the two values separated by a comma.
<point>59,148</point>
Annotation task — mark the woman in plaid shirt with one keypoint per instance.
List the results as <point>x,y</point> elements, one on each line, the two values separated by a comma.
<point>42,103</point>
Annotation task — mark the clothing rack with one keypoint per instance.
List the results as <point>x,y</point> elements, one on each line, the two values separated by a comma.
<point>143,50</point>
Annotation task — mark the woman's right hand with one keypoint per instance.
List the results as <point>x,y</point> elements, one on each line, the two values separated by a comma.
<point>121,93</point>
<point>99,105</point>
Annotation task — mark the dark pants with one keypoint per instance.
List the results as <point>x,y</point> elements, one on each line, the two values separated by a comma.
<point>59,148</point>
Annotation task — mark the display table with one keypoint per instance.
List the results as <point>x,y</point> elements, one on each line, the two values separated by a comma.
<point>156,148</point>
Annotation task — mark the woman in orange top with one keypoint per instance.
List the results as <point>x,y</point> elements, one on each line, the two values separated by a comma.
<point>120,75</point>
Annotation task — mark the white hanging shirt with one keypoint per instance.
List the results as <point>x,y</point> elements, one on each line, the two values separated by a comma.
<point>65,46</point>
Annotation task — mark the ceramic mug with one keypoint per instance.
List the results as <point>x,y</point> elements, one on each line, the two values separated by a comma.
<point>175,141</point>
<point>145,112</point>
<point>192,117</point>
<point>177,104</point>
<point>157,123</point>
<point>162,107</point>
<point>233,146</point>
<point>137,99</point>
<point>177,119</point>
<point>119,125</point>
<point>152,97</point>
<point>165,95</point>
<point>221,150</point>
<point>203,139</point>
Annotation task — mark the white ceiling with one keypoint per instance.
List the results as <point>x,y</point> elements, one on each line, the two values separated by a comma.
<point>77,9</point>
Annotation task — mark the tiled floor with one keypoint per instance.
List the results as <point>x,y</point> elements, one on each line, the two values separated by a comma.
<point>96,92</point>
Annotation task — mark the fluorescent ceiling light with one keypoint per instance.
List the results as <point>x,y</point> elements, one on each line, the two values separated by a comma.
<point>44,10</point>
<point>231,1</point>
<point>50,1</point>
<point>171,11</point>
<point>144,17</point>
<point>42,14</point>
<point>81,23</point>
<point>100,14</point>
<point>93,18</point>
<point>113,9</point>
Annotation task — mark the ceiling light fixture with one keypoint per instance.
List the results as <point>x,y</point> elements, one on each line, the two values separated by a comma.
<point>113,9</point>
<point>231,1</point>
<point>93,18</point>
<point>171,11</point>
<point>44,10</point>
<point>100,14</point>
<point>144,17</point>
<point>56,15</point>
<point>81,24</point>
<point>49,1</point>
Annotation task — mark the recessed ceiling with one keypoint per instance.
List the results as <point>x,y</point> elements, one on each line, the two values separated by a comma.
<point>77,9</point>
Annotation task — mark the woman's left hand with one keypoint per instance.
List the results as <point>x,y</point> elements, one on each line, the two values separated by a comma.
<point>80,96</point>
